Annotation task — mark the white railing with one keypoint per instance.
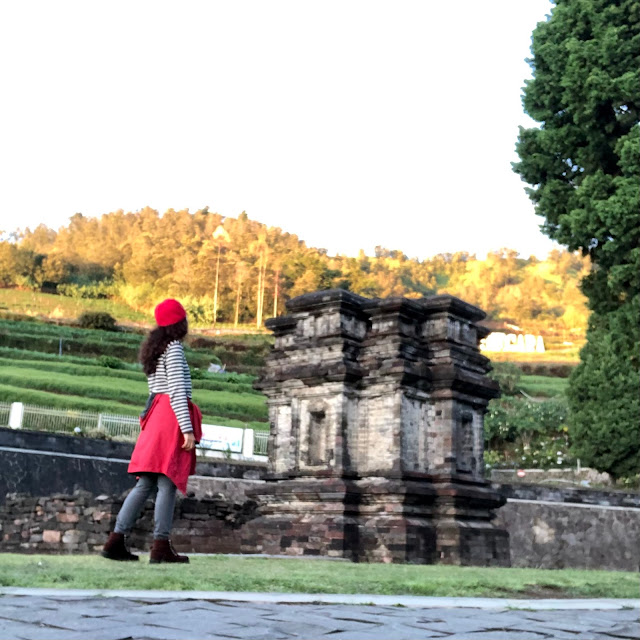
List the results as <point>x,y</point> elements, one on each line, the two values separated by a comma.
<point>260,443</point>
<point>5,409</point>
<point>119,427</point>
<point>48,419</point>
<point>217,441</point>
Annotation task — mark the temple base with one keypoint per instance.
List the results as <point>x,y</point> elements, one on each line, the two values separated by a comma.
<point>379,520</point>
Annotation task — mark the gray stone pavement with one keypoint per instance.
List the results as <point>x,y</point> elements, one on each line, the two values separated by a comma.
<point>57,614</point>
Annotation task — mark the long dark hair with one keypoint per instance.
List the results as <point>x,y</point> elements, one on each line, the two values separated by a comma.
<point>157,341</point>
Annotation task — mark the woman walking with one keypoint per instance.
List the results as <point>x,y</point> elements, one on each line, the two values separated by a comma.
<point>164,456</point>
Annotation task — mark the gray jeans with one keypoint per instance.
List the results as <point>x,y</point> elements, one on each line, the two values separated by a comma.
<point>165,501</point>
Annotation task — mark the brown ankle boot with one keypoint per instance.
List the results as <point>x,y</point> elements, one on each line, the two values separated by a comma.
<point>115,548</point>
<point>163,551</point>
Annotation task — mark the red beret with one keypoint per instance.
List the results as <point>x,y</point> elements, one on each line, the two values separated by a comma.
<point>168,312</point>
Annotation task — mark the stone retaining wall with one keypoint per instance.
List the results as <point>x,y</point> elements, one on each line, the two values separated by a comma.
<point>39,464</point>
<point>549,527</point>
<point>80,523</point>
<point>552,535</point>
<point>582,533</point>
<point>558,528</point>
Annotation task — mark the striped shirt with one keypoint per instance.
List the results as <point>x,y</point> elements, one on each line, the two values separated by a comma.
<point>172,376</point>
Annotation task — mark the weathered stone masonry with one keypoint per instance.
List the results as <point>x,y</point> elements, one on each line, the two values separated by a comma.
<point>376,445</point>
<point>81,522</point>
<point>560,528</point>
<point>548,527</point>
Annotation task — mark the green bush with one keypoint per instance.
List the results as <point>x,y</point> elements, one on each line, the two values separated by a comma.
<point>232,382</point>
<point>550,452</point>
<point>507,375</point>
<point>242,354</point>
<point>603,393</point>
<point>527,433</point>
<point>96,290</point>
<point>110,362</point>
<point>551,369</point>
<point>197,374</point>
<point>231,377</point>
<point>493,459</point>
<point>198,359</point>
<point>510,419</point>
<point>97,320</point>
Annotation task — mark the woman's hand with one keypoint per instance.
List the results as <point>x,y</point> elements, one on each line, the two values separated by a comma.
<point>189,441</point>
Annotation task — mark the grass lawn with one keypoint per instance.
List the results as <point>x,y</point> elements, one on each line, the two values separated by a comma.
<point>226,573</point>
<point>544,386</point>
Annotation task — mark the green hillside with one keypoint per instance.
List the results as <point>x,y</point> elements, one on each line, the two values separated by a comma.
<point>102,376</point>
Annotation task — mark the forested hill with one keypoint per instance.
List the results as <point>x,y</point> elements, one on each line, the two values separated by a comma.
<point>141,257</point>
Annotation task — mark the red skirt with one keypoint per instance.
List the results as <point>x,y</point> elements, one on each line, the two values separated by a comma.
<point>159,446</point>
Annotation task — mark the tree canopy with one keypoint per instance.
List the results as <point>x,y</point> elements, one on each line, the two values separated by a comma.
<point>583,164</point>
<point>583,161</point>
<point>144,256</point>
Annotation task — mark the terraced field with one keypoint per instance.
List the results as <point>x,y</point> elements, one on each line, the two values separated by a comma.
<point>97,371</point>
<point>53,339</point>
<point>47,305</point>
<point>99,379</point>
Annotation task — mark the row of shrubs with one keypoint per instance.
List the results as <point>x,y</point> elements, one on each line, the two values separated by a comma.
<point>109,366</point>
<point>66,331</point>
<point>69,346</point>
<point>13,393</point>
<point>550,369</point>
<point>233,404</point>
<point>90,346</point>
<point>239,355</point>
<point>28,354</point>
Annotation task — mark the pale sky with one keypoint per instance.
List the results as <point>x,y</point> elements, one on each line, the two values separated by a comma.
<point>350,123</point>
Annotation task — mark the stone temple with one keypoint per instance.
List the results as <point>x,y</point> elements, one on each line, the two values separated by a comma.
<point>376,445</point>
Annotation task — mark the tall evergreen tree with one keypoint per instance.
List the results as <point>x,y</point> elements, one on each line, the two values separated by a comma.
<point>583,163</point>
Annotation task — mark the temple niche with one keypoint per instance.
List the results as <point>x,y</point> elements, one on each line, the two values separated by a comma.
<point>376,411</point>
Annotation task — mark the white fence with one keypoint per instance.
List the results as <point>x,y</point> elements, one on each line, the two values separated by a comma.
<point>5,408</point>
<point>217,441</point>
<point>260,441</point>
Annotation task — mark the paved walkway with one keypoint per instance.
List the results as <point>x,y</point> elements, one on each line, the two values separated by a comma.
<point>52,614</point>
